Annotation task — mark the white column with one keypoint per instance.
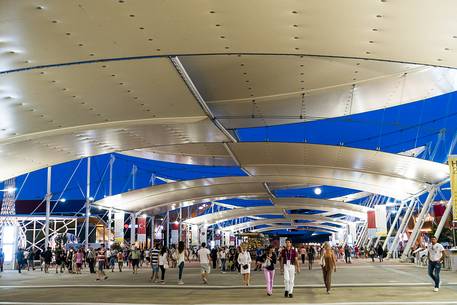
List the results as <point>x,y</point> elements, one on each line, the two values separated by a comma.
<point>48,208</point>
<point>153,221</point>
<point>180,224</point>
<point>419,222</point>
<point>392,225</point>
<point>402,227</point>
<point>168,230</point>
<point>86,238</point>
<point>110,193</point>
<point>132,228</point>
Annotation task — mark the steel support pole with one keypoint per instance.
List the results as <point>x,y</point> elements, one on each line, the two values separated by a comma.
<point>419,222</point>
<point>134,170</point>
<point>110,193</point>
<point>132,228</point>
<point>153,221</point>
<point>168,230</point>
<point>48,208</point>
<point>392,225</point>
<point>180,225</point>
<point>443,219</point>
<point>86,236</point>
<point>402,227</point>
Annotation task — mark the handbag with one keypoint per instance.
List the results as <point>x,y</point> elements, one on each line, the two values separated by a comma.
<point>245,267</point>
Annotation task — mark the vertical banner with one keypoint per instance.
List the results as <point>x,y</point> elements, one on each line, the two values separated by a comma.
<point>226,238</point>
<point>452,160</point>
<point>194,235</point>
<point>174,234</point>
<point>352,230</point>
<point>371,224</point>
<point>381,220</point>
<point>203,235</point>
<point>141,231</point>
<point>119,227</point>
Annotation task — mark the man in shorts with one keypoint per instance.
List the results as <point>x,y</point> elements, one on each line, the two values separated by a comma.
<point>59,255</point>
<point>101,261</point>
<point>204,257</point>
<point>154,258</point>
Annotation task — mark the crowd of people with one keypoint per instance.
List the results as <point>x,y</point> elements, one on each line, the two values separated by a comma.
<point>288,259</point>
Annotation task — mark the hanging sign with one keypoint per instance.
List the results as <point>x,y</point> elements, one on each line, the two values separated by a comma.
<point>141,229</point>
<point>381,220</point>
<point>119,227</point>
<point>452,160</point>
<point>371,225</point>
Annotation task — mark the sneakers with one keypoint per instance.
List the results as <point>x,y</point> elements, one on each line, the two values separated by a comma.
<point>180,283</point>
<point>286,294</point>
<point>436,289</point>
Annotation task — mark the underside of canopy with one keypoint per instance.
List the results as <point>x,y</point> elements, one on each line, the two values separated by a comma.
<point>123,78</point>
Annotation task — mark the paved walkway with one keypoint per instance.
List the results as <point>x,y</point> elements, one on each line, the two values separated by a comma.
<point>360,283</point>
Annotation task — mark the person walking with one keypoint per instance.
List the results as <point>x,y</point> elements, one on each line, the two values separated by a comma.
<point>20,259</point>
<point>380,252</point>
<point>154,258</point>
<point>120,260</point>
<point>328,264</point>
<point>213,255</point>
<point>2,259</point>
<point>311,254</point>
<point>163,263</point>
<point>30,260</point>
<point>347,254</point>
<point>47,258</point>
<point>268,265</point>
<point>101,260</point>
<point>90,258</point>
<point>112,260</point>
<point>59,255</point>
<point>204,258</point>
<point>371,253</point>
<point>79,259</point>
<point>303,254</point>
<point>181,255</point>
<point>289,265</point>
<point>436,256</point>
<point>135,257</point>
<point>244,259</point>
<point>223,252</point>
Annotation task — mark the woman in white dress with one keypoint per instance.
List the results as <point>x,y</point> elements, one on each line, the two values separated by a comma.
<point>244,259</point>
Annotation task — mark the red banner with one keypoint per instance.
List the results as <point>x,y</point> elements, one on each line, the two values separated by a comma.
<point>141,225</point>
<point>438,210</point>
<point>371,220</point>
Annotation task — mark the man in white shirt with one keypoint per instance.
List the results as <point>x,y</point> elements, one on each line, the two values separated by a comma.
<point>435,258</point>
<point>204,257</point>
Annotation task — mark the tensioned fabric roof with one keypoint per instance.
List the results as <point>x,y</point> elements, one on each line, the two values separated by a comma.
<point>275,165</point>
<point>126,76</point>
<point>123,77</point>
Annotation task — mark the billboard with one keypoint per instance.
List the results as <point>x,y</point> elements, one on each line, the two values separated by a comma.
<point>452,160</point>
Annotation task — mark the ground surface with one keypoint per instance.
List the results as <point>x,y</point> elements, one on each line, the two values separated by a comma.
<point>360,283</point>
